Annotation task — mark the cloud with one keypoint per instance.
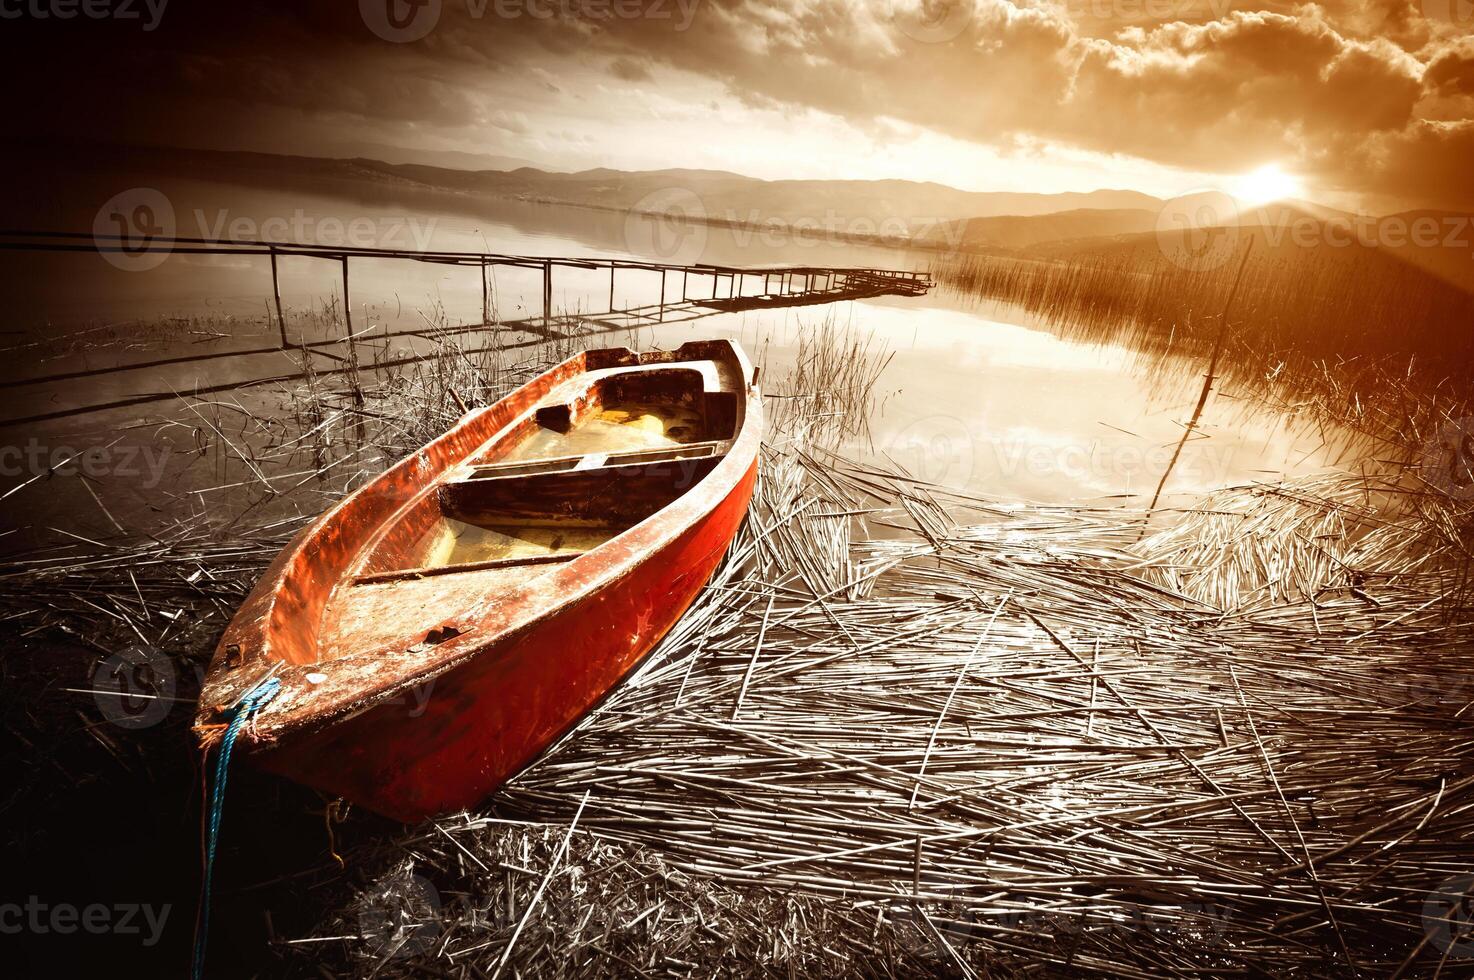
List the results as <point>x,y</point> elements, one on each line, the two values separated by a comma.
<point>545,78</point>
<point>1451,73</point>
<point>407,96</point>
<point>1315,89</point>
<point>1372,96</point>
<point>1432,156</point>
<point>629,70</point>
<point>1227,94</point>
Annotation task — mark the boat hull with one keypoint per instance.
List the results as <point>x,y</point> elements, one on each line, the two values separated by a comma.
<point>460,735</point>
<point>426,647</point>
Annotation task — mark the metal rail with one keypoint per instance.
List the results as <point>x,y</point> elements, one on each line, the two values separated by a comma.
<point>781,286</point>
<point>67,241</point>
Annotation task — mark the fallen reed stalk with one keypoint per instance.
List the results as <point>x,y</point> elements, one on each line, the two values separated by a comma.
<point>905,729</point>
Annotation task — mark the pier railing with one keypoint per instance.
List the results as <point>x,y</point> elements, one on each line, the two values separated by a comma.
<point>778,281</point>
<point>730,288</point>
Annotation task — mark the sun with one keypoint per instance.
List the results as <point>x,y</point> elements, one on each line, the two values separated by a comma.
<point>1268,183</point>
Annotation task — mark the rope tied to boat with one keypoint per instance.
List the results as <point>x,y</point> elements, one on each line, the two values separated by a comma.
<point>250,703</point>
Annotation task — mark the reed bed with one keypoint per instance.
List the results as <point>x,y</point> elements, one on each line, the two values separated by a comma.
<point>995,747</point>
<point>1362,336</point>
<point>830,391</point>
<point>907,730</point>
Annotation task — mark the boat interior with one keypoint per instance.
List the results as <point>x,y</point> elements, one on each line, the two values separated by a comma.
<point>504,499</point>
<point>595,456</point>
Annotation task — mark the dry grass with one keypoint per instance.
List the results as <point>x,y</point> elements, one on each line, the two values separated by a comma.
<point>1364,337</point>
<point>906,730</point>
<point>990,747</point>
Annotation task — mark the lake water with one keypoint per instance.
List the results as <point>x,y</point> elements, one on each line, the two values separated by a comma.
<point>987,401</point>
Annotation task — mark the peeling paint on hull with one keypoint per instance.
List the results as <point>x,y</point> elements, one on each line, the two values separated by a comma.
<point>484,721</point>
<point>373,712</point>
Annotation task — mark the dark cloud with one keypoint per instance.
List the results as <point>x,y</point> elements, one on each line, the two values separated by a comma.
<point>1452,71</point>
<point>340,88</point>
<point>1233,93</point>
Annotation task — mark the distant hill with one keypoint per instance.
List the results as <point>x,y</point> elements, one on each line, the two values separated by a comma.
<point>1024,231</point>
<point>1434,243</point>
<point>1452,258</point>
<point>886,209</point>
<point>448,159</point>
<point>859,207</point>
<point>925,214</point>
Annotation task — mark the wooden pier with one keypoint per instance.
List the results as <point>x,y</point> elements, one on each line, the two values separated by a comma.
<point>705,290</point>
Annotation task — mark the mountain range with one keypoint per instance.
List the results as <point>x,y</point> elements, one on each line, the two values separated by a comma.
<point>1078,225</point>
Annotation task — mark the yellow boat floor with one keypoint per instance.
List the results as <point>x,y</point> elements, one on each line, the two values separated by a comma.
<point>453,542</point>
<point>625,427</point>
<point>617,429</point>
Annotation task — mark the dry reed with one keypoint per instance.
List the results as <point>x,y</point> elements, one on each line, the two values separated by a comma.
<point>905,729</point>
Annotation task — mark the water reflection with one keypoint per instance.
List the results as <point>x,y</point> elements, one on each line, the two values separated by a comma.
<point>969,400</point>
<point>69,289</point>
<point>1020,412</point>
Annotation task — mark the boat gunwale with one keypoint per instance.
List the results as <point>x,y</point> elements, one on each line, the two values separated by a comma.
<point>571,581</point>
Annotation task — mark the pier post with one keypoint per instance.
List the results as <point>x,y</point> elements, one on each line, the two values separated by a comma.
<point>662,296</point>
<point>347,313</point>
<point>611,287</point>
<point>352,350</point>
<point>281,321</point>
<point>485,297</point>
<point>547,295</point>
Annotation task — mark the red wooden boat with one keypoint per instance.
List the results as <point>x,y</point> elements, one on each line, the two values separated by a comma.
<point>440,627</point>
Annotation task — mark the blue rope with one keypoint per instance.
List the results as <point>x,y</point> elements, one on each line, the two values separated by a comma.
<point>250,703</point>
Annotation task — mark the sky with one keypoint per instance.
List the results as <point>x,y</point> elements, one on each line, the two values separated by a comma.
<point>1362,103</point>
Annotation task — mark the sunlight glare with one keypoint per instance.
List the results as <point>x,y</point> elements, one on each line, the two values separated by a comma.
<point>1268,183</point>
